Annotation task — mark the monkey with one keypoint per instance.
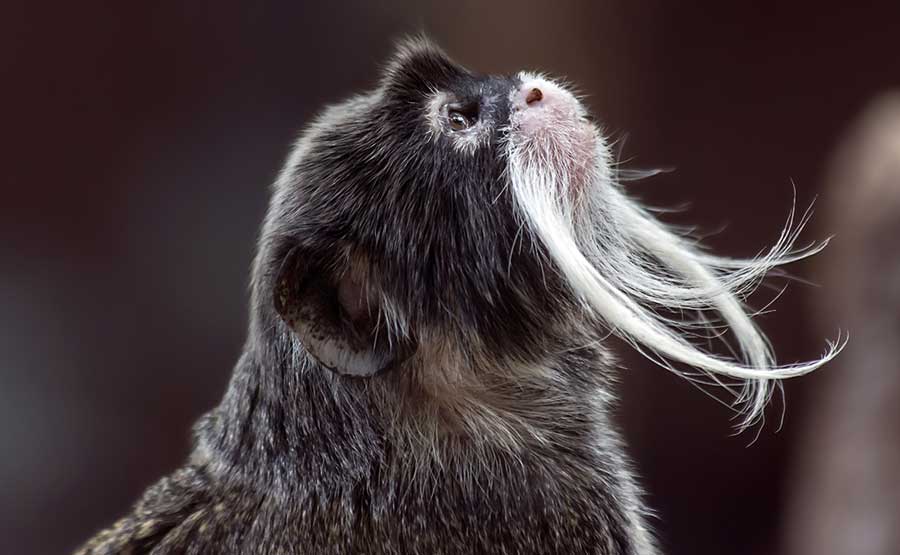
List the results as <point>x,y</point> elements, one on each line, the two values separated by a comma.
<point>426,368</point>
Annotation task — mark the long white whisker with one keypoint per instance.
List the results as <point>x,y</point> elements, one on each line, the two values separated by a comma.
<point>623,264</point>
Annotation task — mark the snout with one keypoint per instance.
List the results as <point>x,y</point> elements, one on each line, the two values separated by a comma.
<point>539,94</point>
<point>540,106</point>
<point>544,109</point>
<point>549,131</point>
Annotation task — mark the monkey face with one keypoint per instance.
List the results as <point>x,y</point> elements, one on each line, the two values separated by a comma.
<point>401,200</point>
<point>451,207</point>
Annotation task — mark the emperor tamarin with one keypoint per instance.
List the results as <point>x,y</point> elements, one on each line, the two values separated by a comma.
<point>426,370</point>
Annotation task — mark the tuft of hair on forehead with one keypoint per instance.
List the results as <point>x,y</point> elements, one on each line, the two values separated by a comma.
<point>420,65</point>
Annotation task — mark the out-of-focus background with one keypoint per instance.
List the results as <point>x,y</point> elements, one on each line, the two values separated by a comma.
<point>139,140</point>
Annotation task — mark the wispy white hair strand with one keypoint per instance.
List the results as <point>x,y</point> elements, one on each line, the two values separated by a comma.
<point>626,266</point>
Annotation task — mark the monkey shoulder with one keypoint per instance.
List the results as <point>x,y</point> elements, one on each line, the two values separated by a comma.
<point>175,515</point>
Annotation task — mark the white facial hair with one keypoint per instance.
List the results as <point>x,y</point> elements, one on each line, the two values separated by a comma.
<point>624,264</point>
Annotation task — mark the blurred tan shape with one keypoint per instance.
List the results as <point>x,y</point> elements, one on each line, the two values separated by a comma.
<point>845,488</point>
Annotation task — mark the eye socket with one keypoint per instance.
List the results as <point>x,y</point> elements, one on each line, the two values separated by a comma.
<point>461,117</point>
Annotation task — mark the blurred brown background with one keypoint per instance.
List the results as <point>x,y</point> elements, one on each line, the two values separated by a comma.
<point>139,140</point>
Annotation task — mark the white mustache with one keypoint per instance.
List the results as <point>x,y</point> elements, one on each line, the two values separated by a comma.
<point>623,264</point>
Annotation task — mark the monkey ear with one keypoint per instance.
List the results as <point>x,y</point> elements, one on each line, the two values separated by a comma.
<point>336,319</point>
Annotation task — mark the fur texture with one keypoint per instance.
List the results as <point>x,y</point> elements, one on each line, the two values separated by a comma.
<point>423,371</point>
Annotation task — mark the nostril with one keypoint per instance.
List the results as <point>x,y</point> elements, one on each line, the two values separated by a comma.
<point>534,95</point>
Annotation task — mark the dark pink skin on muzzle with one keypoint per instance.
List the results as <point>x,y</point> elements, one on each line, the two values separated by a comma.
<point>551,124</point>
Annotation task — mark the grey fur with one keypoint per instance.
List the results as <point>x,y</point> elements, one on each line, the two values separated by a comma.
<point>489,432</point>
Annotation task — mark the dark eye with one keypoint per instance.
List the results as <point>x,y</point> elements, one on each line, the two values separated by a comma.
<point>461,117</point>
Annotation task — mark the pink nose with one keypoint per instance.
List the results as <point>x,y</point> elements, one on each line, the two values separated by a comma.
<point>538,95</point>
<point>540,106</point>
